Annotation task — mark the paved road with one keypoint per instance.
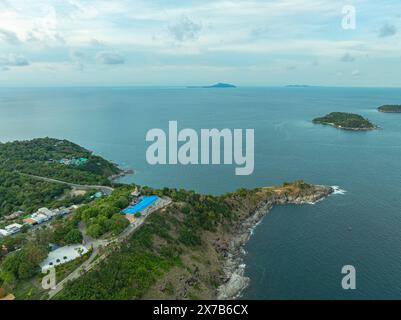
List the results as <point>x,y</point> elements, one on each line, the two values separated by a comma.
<point>96,244</point>
<point>105,189</point>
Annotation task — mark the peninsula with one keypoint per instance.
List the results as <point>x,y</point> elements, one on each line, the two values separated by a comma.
<point>188,246</point>
<point>390,109</point>
<point>346,121</point>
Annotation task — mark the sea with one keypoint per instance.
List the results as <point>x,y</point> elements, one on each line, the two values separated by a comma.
<point>296,252</point>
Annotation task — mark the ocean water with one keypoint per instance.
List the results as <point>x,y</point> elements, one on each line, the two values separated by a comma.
<point>297,252</point>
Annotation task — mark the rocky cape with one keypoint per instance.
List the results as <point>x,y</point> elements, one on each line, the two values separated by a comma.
<point>234,281</point>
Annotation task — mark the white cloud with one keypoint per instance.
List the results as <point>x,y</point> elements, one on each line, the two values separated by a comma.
<point>347,58</point>
<point>9,37</point>
<point>185,29</point>
<point>387,30</point>
<point>235,34</point>
<point>106,57</point>
<point>13,60</point>
<point>356,73</point>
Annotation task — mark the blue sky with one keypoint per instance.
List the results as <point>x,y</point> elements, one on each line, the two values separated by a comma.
<point>135,42</point>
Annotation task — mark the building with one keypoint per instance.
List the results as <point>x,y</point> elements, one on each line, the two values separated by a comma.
<point>63,211</point>
<point>4,233</point>
<point>135,193</point>
<point>13,228</point>
<point>30,221</point>
<point>98,194</point>
<point>40,218</point>
<point>14,215</point>
<point>46,212</point>
<point>63,255</point>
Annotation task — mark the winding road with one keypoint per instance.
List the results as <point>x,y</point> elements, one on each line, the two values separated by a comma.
<point>105,189</point>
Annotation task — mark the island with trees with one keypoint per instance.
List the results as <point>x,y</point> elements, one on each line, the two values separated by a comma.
<point>390,109</point>
<point>346,121</point>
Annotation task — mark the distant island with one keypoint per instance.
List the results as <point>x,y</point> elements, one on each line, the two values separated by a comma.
<point>390,108</point>
<point>346,121</point>
<point>217,86</point>
<point>298,86</point>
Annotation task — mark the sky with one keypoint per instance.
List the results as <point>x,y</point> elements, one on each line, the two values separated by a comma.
<point>188,42</point>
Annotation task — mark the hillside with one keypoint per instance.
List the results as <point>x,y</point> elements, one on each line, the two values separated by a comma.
<point>51,158</point>
<point>181,252</point>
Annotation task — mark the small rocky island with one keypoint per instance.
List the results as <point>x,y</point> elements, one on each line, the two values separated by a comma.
<point>390,109</point>
<point>215,86</point>
<point>346,121</point>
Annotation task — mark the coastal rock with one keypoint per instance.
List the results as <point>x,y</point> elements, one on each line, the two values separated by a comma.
<point>236,283</point>
<point>234,280</point>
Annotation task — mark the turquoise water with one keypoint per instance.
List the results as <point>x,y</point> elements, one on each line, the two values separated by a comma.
<point>296,252</point>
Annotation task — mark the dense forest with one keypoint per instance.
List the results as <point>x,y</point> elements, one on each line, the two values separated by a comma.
<point>390,108</point>
<point>346,121</point>
<point>104,215</point>
<point>18,192</point>
<point>42,157</point>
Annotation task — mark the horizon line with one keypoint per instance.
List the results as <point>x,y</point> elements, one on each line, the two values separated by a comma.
<point>291,86</point>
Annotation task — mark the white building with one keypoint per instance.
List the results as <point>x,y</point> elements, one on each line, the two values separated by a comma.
<point>13,228</point>
<point>40,218</point>
<point>4,233</point>
<point>46,212</point>
<point>63,211</point>
<point>63,255</point>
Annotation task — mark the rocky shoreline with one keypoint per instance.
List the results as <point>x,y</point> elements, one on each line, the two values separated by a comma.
<point>122,173</point>
<point>234,280</point>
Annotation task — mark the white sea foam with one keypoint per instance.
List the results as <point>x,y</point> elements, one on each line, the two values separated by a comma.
<point>252,229</point>
<point>338,190</point>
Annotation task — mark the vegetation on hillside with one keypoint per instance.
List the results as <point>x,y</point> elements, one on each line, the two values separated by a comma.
<point>166,238</point>
<point>104,215</point>
<point>18,192</point>
<point>345,120</point>
<point>41,157</point>
<point>129,272</point>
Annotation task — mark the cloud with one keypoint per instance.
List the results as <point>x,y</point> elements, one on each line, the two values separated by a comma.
<point>185,29</point>
<point>291,68</point>
<point>59,38</point>
<point>13,60</point>
<point>77,55</point>
<point>96,43</point>
<point>356,73</point>
<point>106,57</point>
<point>9,37</point>
<point>260,32</point>
<point>347,58</point>
<point>387,30</point>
